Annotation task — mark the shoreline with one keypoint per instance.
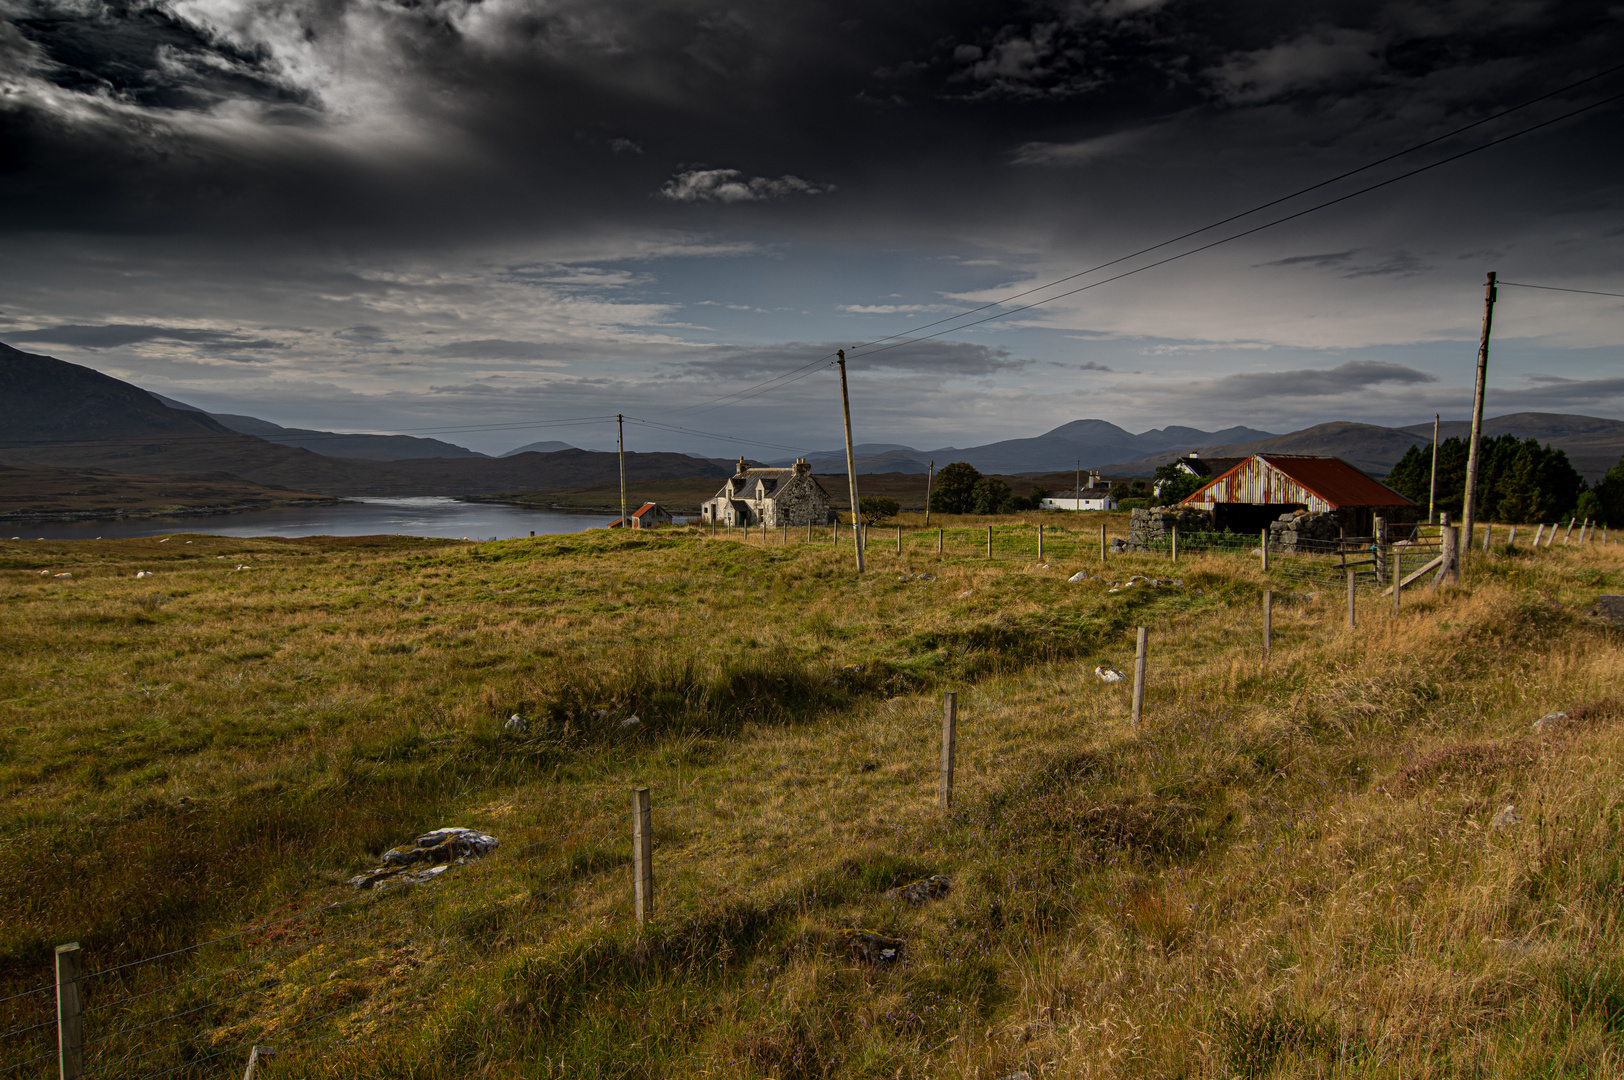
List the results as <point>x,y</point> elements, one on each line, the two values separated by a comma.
<point>24,517</point>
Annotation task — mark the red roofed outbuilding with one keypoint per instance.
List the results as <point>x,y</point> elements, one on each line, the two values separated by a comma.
<point>646,516</point>
<point>1258,490</point>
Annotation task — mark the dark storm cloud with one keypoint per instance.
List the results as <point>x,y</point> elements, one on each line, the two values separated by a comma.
<point>1351,376</point>
<point>114,335</point>
<point>141,54</point>
<point>444,119</point>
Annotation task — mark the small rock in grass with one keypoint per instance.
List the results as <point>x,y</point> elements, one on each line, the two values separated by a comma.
<point>965,595</point>
<point>1110,674</point>
<point>873,948</point>
<point>1549,720</point>
<point>1506,818</point>
<point>432,853</point>
<point>1017,1076</point>
<point>630,720</point>
<point>1079,577</point>
<point>918,892</point>
<point>62,575</point>
<point>516,725</point>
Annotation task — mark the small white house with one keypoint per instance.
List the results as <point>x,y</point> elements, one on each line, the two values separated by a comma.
<point>1090,499</point>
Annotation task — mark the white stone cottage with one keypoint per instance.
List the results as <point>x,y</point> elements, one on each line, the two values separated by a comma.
<point>771,497</point>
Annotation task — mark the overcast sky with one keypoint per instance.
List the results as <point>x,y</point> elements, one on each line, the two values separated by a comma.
<point>379,215</point>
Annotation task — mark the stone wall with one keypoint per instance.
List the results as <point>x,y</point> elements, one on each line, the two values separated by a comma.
<point>1152,530</point>
<point>1303,531</point>
<point>798,501</point>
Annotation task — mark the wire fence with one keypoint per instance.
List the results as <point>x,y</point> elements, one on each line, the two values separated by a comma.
<point>1107,552</point>
<point>216,999</point>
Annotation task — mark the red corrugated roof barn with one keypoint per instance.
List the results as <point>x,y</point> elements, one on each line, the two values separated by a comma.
<point>1264,486</point>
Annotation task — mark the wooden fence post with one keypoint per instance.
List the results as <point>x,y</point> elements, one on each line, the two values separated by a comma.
<point>70,1024</point>
<point>899,539</point>
<point>1268,622</point>
<point>1488,534</point>
<point>1551,539</point>
<point>642,856</point>
<point>1175,543</point>
<point>1379,549</point>
<point>950,720</point>
<point>253,1059</point>
<point>938,541</point>
<point>989,541</point>
<point>1102,541</point>
<point>1139,678</point>
<point>1350,600</point>
<point>1511,542</point>
<point>1569,531</point>
<point>1538,534</point>
<point>1449,572</point>
<point>1040,543</point>
<point>1398,577</point>
<point>1264,547</point>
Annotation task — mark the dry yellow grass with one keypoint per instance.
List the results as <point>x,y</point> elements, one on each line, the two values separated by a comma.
<point>1290,868</point>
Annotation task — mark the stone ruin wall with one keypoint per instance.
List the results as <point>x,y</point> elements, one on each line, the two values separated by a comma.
<point>798,502</point>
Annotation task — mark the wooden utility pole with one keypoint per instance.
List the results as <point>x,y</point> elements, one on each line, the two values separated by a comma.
<point>930,485</point>
<point>1468,512</point>
<point>1079,507</point>
<point>851,461</point>
<point>1432,492</point>
<point>620,439</point>
<point>950,720</point>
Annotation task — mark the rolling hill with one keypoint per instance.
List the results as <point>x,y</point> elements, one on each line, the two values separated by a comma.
<point>62,415</point>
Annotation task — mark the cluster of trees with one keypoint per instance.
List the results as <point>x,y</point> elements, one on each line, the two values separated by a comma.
<point>1518,480</point>
<point>961,489</point>
<point>876,508</point>
<point>1173,484</point>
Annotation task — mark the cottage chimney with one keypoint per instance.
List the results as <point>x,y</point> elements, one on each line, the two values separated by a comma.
<point>802,467</point>
<point>741,465</point>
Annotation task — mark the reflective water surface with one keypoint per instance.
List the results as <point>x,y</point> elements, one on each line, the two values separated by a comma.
<point>417,516</point>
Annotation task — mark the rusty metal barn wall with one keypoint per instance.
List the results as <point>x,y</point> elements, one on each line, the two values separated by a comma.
<point>1256,482</point>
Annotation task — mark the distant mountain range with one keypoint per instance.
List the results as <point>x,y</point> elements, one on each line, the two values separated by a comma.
<point>65,416</point>
<point>60,415</point>
<point>1593,445</point>
<point>343,445</point>
<point>1090,441</point>
<point>551,447</point>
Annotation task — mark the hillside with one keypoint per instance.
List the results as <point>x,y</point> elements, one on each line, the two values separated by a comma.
<point>1593,444</point>
<point>41,493</point>
<point>332,443</point>
<point>1090,441</point>
<point>60,415</point>
<point>1359,857</point>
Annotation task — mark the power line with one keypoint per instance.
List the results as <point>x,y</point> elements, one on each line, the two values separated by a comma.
<point>1558,288</point>
<point>767,386</point>
<point>1261,206</point>
<point>1258,228</point>
<point>716,435</point>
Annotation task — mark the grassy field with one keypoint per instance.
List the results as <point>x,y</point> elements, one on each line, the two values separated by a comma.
<point>1294,867</point>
